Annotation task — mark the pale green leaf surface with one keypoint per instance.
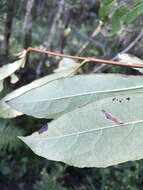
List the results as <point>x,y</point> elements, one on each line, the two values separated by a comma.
<point>101,134</point>
<point>7,70</point>
<point>1,85</point>
<point>7,111</point>
<point>36,84</point>
<point>67,64</point>
<point>14,78</point>
<point>130,59</point>
<point>65,94</point>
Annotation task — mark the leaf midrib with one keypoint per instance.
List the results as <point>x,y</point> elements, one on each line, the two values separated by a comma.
<point>83,94</point>
<point>89,131</point>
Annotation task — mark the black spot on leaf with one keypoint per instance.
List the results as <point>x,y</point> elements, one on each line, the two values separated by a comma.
<point>128,98</point>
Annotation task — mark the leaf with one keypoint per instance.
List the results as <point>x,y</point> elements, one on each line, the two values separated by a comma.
<point>134,13</point>
<point>117,19</point>
<point>1,85</point>
<point>55,98</point>
<point>67,64</point>
<point>14,79</point>
<point>130,59</point>
<point>8,135</point>
<point>7,111</point>
<point>100,134</point>
<point>105,9</point>
<point>123,15</point>
<point>119,13</point>
<point>9,69</point>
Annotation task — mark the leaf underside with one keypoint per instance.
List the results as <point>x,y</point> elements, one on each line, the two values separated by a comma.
<point>7,111</point>
<point>102,133</point>
<point>60,96</point>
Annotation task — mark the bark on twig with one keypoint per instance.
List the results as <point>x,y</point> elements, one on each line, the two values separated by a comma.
<point>48,43</point>
<point>52,32</point>
<point>8,26</point>
<point>87,59</point>
<point>28,24</point>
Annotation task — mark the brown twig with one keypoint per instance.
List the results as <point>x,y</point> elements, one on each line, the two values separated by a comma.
<point>90,59</point>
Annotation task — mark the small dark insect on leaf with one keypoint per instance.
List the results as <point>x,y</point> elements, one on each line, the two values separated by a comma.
<point>43,129</point>
<point>128,98</point>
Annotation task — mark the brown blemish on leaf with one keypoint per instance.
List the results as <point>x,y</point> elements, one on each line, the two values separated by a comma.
<point>111,117</point>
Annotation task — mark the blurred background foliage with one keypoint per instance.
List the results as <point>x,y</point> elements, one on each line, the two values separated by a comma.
<point>77,27</point>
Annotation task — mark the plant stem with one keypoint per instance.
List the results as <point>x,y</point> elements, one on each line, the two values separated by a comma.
<point>90,59</point>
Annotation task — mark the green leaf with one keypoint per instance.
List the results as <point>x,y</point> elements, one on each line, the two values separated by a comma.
<point>1,85</point>
<point>8,135</point>
<point>117,19</point>
<point>105,9</point>
<point>120,14</point>
<point>100,134</point>
<point>52,99</point>
<point>49,182</point>
<point>8,112</point>
<point>9,69</point>
<point>134,13</point>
